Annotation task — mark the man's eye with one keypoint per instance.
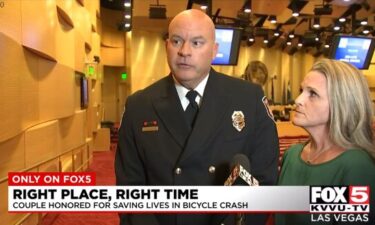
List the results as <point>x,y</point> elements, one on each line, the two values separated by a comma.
<point>176,41</point>
<point>198,43</point>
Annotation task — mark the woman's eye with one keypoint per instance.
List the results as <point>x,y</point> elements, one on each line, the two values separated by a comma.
<point>313,94</point>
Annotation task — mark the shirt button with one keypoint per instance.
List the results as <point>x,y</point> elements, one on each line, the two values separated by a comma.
<point>211,169</point>
<point>178,171</point>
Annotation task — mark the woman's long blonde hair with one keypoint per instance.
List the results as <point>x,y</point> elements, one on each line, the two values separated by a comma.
<point>351,113</point>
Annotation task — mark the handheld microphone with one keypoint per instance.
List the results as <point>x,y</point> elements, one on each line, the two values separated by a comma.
<point>239,175</point>
<point>240,167</point>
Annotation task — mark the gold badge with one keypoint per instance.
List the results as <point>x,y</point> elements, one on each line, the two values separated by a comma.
<point>238,120</point>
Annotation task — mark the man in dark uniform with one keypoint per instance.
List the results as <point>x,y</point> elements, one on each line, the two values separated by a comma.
<point>171,135</point>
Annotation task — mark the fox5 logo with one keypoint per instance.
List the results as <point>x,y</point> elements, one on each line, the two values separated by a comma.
<point>339,194</point>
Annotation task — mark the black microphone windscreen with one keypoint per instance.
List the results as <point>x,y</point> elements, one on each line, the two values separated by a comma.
<point>240,159</point>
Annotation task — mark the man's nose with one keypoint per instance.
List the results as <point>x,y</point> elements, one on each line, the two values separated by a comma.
<point>185,50</point>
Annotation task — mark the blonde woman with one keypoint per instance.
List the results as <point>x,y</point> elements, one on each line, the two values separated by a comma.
<point>334,107</point>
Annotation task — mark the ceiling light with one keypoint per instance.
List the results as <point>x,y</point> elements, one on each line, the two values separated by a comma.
<point>296,6</point>
<point>203,7</point>
<point>127,4</point>
<point>251,38</point>
<point>127,25</point>
<point>127,16</point>
<point>265,41</point>
<point>289,43</point>
<point>316,23</point>
<point>342,19</point>
<point>364,22</point>
<point>291,35</point>
<point>300,44</point>
<point>336,27</point>
<point>366,30</point>
<point>272,19</point>
<point>325,10</point>
<point>326,46</point>
<point>317,39</point>
<point>247,6</point>
<point>276,34</point>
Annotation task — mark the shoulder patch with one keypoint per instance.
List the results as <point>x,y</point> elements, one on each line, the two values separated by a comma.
<point>269,112</point>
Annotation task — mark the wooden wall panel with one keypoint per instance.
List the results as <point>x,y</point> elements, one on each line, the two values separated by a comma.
<point>95,117</point>
<point>12,155</point>
<point>29,87</point>
<point>110,94</point>
<point>77,91</point>
<point>18,88</point>
<point>79,56</point>
<point>371,80</point>
<point>85,154</point>
<point>114,56</point>
<point>39,20</point>
<point>95,44</point>
<point>72,130</point>
<point>34,90</point>
<point>287,129</point>
<point>78,159</point>
<point>42,142</point>
<point>10,19</point>
<point>56,91</point>
<point>67,6</point>
<point>50,166</point>
<point>102,139</point>
<point>96,91</point>
<point>32,219</point>
<point>150,44</point>
<point>99,27</point>
<point>111,37</point>
<point>66,162</point>
<point>92,7</point>
<point>87,28</point>
<point>82,34</point>
<point>7,218</point>
<point>90,147</point>
<point>65,37</point>
<point>90,125</point>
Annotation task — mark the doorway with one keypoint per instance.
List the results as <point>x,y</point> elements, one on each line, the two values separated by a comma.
<point>115,90</point>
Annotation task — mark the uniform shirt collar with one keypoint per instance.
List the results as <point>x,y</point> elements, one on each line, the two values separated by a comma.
<point>182,91</point>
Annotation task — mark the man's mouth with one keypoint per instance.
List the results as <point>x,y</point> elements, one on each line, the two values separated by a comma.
<point>184,65</point>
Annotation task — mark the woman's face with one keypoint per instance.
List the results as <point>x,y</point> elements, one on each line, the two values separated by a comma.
<point>313,103</point>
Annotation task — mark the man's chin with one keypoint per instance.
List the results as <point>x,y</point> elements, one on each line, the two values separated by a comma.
<point>184,77</point>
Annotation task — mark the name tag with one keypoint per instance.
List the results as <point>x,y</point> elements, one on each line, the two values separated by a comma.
<point>150,129</point>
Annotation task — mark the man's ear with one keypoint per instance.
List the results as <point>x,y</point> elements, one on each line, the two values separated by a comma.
<point>215,49</point>
<point>166,43</point>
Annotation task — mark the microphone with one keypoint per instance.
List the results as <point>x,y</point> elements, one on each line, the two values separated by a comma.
<point>239,175</point>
